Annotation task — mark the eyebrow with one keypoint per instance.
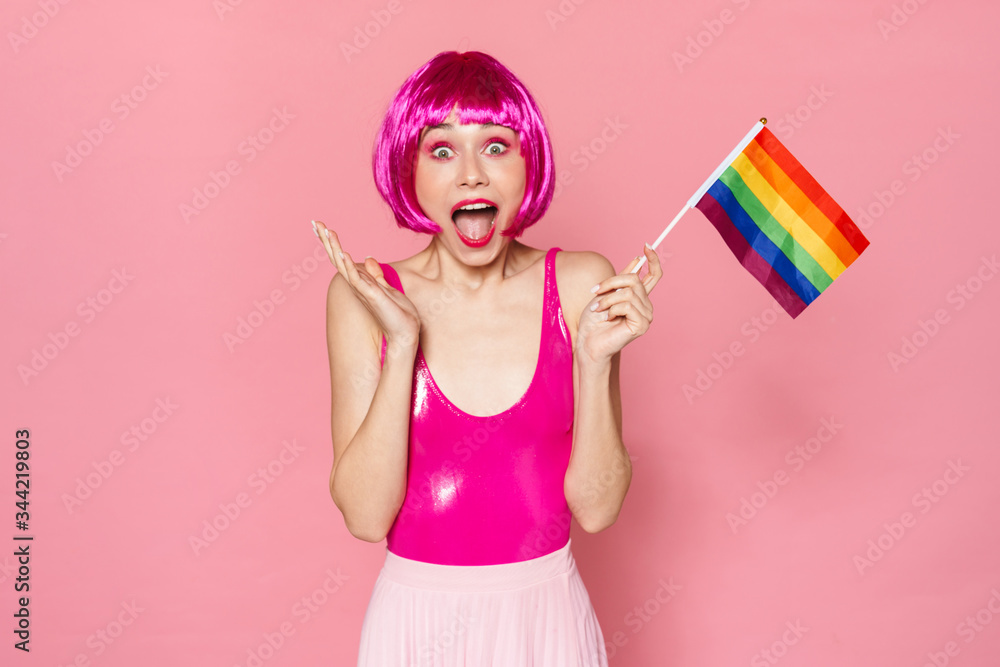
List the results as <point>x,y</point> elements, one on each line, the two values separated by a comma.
<point>449,126</point>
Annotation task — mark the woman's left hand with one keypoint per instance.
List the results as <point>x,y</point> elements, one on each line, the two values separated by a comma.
<point>620,311</point>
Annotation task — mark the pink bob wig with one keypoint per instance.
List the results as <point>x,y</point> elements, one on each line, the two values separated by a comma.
<point>485,92</point>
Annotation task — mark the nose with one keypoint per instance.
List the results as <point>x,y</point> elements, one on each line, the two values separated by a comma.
<point>471,171</point>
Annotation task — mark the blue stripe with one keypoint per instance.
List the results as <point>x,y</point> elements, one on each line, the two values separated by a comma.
<point>764,246</point>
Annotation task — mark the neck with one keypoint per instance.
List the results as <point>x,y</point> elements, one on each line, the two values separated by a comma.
<point>490,271</point>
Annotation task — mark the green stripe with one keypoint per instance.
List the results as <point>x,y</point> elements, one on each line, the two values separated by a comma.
<point>793,250</point>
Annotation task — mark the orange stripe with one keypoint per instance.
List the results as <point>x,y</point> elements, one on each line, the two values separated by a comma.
<point>813,190</point>
<point>800,203</point>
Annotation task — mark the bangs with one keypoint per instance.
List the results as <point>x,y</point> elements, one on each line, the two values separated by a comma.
<point>478,97</point>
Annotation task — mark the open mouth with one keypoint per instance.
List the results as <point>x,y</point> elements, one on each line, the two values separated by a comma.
<point>474,222</point>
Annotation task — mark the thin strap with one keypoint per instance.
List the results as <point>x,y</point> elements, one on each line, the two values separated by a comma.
<point>551,289</point>
<point>550,261</point>
<point>392,278</point>
<point>554,314</point>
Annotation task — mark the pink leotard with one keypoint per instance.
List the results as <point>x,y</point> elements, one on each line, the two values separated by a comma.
<point>489,490</point>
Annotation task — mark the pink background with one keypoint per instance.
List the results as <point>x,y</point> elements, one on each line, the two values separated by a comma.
<point>854,101</point>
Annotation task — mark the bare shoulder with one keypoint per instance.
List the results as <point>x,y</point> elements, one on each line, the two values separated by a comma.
<point>577,271</point>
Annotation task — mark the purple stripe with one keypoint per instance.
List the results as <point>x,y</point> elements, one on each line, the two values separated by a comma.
<point>751,260</point>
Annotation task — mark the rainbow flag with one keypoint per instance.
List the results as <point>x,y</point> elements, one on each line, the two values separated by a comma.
<point>778,221</point>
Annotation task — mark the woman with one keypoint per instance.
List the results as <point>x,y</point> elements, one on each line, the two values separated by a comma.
<point>471,478</point>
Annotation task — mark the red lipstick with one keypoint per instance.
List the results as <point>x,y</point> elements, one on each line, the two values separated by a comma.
<point>475,243</point>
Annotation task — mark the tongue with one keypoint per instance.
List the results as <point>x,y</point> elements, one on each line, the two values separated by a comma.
<point>474,224</point>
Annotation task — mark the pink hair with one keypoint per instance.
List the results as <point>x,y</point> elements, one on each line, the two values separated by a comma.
<point>485,92</point>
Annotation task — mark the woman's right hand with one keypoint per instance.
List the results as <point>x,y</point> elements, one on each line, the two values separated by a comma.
<point>396,315</point>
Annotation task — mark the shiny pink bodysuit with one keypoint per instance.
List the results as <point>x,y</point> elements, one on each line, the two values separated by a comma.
<point>489,490</point>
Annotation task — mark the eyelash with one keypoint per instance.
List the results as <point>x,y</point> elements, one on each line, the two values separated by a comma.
<point>495,140</point>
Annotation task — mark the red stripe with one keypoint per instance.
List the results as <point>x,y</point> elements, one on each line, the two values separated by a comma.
<point>802,178</point>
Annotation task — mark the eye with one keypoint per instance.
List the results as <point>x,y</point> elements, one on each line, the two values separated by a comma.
<point>442,152</point>
<point>496,148</point>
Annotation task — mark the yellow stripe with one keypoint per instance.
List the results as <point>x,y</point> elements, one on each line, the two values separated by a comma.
<point>798,228</point>
<point>801,203</point>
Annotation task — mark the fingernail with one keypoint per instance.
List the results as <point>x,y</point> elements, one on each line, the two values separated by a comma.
<point>340,253</point>
<point>315,231</point>
<point>595,288</point>
<point>328,234</point>
<point>649,246</point>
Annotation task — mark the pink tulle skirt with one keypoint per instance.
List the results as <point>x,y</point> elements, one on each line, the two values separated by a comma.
<point>527,614</point>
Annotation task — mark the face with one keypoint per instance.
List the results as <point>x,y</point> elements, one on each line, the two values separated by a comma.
<point>470,180</point>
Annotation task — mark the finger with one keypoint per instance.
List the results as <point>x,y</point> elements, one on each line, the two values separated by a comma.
<point>631,265</point>
<point>635,320</point>
<point>635,298</point>
<point>374,268</point>
<point>341,259</point>
<point>620,281</point>
<point>352,269</point>
<point>606,284</point>
<point>331,243</point>
<point>320,230</point>
<point>655,270</point>
<point>636,308</point>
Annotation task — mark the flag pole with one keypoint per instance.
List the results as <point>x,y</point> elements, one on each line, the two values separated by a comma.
<point>693,201</point>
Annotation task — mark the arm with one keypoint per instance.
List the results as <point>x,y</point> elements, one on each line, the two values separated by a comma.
<point>370,412</point>
<point>370,415</point>
<point>600,469</point>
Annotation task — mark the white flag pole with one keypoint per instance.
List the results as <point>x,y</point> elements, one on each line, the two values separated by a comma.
<point>693,201</point>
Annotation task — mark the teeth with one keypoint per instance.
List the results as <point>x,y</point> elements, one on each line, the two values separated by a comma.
<point>472,207</point>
